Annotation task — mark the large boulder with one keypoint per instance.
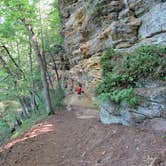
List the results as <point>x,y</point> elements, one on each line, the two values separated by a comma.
<point>152,105</point>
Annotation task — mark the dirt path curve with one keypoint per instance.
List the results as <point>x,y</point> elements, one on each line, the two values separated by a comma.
<point>77,138</point>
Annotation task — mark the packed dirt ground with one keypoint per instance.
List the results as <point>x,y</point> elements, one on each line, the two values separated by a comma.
<point>77,138</point>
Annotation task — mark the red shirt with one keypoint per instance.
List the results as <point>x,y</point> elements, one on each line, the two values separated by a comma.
<point>78,90</point>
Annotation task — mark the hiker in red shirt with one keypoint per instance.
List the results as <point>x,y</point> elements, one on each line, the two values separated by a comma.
<point>79,90</point>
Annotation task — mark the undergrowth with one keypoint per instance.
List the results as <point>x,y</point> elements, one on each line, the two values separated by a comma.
<point>9,111</point>
<point>57,96</point>
<point>7,117</point>
<point>121,71</point>
<point>29,123</point>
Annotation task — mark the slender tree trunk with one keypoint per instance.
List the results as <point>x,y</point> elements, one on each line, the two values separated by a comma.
<point>50,80</point>
<point>31,73</point>
<point>24,109</point>
<point>55,68</point>
<point>43,49</point>
<point>42,66</point>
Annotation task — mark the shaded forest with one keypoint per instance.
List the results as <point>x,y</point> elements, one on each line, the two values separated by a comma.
<point>29,46</point>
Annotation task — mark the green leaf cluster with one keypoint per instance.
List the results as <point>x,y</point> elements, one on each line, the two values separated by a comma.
<point>121,71</point>
<point>146,62</point>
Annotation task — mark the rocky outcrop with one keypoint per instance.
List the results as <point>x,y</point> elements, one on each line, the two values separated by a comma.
<point>152,104</point>
<point>91,26</point>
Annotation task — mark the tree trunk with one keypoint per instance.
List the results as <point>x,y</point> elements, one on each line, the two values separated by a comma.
<point>55,68</point>
<point>24,109</point>
<point>42,66</point>
<point>31,73</point>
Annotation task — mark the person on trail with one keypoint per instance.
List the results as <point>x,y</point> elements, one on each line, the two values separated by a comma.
<point>79,90</point>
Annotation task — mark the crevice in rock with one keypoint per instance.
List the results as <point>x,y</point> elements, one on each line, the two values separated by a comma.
<point>155,33</point>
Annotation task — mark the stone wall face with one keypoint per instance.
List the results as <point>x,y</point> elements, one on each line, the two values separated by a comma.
<point>152,96</point>
<point>90,26</point>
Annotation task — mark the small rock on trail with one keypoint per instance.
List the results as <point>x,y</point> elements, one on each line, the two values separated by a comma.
<point>157,124</point>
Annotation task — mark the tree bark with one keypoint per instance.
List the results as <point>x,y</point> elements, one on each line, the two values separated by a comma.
<point>42,66</point>
<point>55,68</point>
<point>31,73</point>
<point>24,109</point>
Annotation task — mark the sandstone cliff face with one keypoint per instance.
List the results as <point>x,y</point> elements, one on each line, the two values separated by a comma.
<point>91,26</point>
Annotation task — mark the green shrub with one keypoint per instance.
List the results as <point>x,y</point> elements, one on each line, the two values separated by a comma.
<point>106,60</point>
<point>147,61</point>
<point>4,130</point>
<point>57,96</point>
<point>121,71</point>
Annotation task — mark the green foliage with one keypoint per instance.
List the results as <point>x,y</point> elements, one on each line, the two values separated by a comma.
<point>106,61</point>
<point>147,61</point>
<point>7,117</point>
<point>45,23</point>
<point>29,123</point>
<point>121,72</point>
<point>120,95</point>
<point>57,96</point>
<point>4,130</point>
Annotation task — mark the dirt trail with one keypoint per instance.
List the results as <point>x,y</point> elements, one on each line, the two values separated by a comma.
<point>77,138</point>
